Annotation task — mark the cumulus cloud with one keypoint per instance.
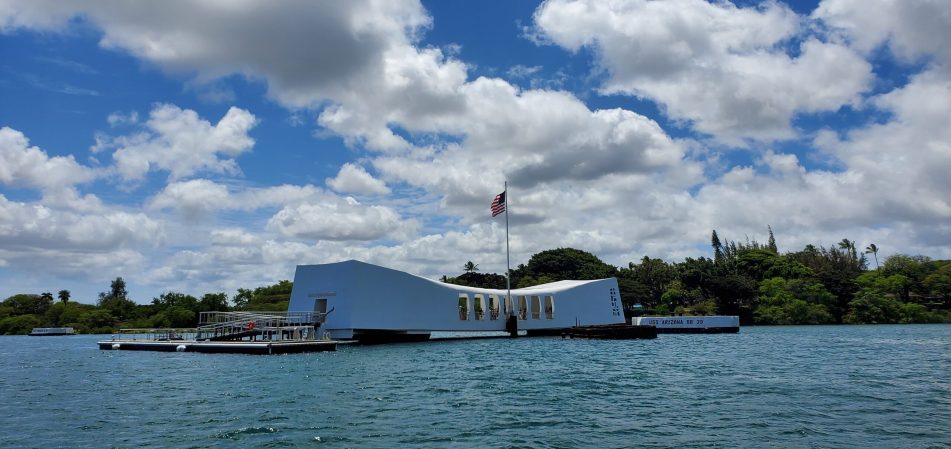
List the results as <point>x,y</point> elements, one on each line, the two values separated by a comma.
<point>26,226</point>
<point>535,139</point>
<point>724,69</point>
<point>911,30</point>
<point>180,142</point>
<point>29,166</point>
<point>341,220</point>
<point>306,51</point>
<point>201,197</point>
<point>306,212</point>
<point>610,181</point>
<point>353,178</point>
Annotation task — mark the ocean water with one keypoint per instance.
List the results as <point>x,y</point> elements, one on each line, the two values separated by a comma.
<point>796,386</point>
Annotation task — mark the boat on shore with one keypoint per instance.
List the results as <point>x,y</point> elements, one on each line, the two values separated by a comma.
<point>51,331</point>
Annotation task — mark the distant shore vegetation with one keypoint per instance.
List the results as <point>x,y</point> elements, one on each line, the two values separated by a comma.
<point>816,285</point>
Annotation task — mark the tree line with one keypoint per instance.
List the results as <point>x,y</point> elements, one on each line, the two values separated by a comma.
<point>114,309</point>
<point>815,285</point>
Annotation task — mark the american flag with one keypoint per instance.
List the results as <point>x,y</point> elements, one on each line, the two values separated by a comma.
<point>498,204</point>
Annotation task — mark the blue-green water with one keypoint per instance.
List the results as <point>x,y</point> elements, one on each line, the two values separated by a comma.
<point>828,386</point>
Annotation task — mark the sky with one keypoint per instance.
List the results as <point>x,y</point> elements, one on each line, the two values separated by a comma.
<point>205,146</point>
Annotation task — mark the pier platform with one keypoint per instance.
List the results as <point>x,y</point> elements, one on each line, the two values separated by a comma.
<point>231,333</point>
<point>222,347</point>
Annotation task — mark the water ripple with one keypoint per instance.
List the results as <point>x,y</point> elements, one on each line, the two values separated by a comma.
<point>830,386</point>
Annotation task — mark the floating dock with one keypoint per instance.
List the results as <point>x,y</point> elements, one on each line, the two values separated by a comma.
<point>691,324</point>
<point>231,333</point>
<point>222,347</point>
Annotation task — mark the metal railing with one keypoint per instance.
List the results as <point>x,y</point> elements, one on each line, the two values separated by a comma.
<point>269,325</point>
<point>156,334</point>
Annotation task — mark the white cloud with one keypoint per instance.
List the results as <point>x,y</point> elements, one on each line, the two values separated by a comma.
<point>307,51</point>
<point>193,198</point>
<point>609,181</point>
<point>180,142</point>
<point>353,178</point>
<point>720,67</point>
<point>522,71</point>
<point>118,118</point>
<point>233,237</point>
<point>29,166</point>
<point>27,227</point>
<point>534,138</point>
<point>201,197</point>
<point>341,220</point>
<point>305,212</point>
<point>910,29</point>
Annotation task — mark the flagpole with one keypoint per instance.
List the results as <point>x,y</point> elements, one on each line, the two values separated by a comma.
<point>508,269</point>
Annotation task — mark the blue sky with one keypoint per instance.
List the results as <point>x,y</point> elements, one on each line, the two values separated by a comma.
<point>197,147</point>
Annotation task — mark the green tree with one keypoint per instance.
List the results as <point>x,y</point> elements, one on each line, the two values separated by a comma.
<point>174,316</point>
<point>717,247</point>
<point>678,296</point>
<point>771,243</point>
<point>873,250</point>
<point>872,307</point>
<point>470,267</point>
<point>267,298</point>
<point>24,304</point>
<point>19,325</point>
<point>754,263</point>
<point>97,321</point>
<point>897,285</point>
<point>655,275</point>
<point>481,280</point>
<point>213,302</point>
<point>64,296</point>
<point>117,302</point>
<point>914,268</point>
<point>66,314</point>
<point>242,298</point>
<point>939,282</point>
<point>848,246</point>
<point>916,313</point>
<point>117,289</point>
<point>793,302</point>
<point>568,263</point>
<point>836,269</point>
<point>531,281</point>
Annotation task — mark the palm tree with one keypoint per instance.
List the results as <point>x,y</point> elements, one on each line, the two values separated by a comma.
<point>469,267</point>
<point>846,244</point>
<point>873,250</point>
<point>64,296</point>
<point>849,247</point>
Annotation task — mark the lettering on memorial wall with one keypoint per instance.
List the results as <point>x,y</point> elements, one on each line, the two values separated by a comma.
<point>615,303</point>
<point>682,321</point>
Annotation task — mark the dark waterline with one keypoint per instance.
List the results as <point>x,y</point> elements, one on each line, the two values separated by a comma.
<point>795,386</point>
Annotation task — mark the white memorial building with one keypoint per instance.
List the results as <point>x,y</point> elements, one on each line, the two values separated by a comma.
<point>365,300</point>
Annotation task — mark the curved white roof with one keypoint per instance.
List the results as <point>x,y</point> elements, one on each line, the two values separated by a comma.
<point>370,297</point>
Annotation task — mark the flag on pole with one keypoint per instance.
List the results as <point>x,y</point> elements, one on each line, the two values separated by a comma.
<point>498,204</point>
